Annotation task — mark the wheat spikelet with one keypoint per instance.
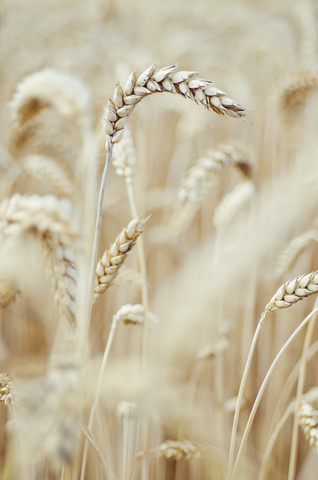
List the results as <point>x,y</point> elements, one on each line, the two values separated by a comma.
<point>232,203</point>
<point>52,221</point>
<point>50,88</point>
<point>294,249</point>
<point>112,259</point>
<point>178,450</point>
<point>7,394</point>
<point>294,91</point>
<point>124,158</point>
<point>44,168</point>
<point>165,79</point>
<point>293,290</point>
<point>308,421</point>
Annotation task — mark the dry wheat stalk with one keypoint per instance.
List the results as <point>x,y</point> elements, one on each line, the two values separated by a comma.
<point>293,290</point>
<point>293,91</point>
<point>294,249</point>
<point>308,421</point>
<point>7,394</point>
<point>44,168</point>
<point>178,450</point>
<point>66,93</point>
<point>112,259</point>
<point>165,79</point>
<point>53,221</point>
<point>232,203</point>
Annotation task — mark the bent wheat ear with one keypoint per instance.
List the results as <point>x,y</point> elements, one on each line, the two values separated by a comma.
<point>66,93</point>
<point>293,290</point>
<point>53,221</point>
<point>308,421</point>
<point>133,315</point>
<point>294,91</point>
<point>166,79</point>
<point>110,263</point>
<point>294,249</point>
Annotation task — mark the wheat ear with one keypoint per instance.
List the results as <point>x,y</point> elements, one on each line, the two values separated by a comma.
<point>165,79</point>
<point>178,450</point>
<point>66,93</point>
<point>7,393</point>
<point>294,249</point>
<point>45,168</point>
<point>52,220</point>
<point>294,90</point>
<point>112,259</point>
<point>288,294</point>
<point>308,421</point>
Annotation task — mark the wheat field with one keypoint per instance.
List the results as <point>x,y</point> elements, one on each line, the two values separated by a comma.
<point>158,256</point>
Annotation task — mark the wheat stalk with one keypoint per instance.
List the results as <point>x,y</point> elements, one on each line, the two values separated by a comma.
<point>165,79</point>
<point>112,259</point>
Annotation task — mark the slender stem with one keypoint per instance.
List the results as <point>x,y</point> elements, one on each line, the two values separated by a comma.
<point>300,388</point>
<point>89,437</point>
<point>240,394</point>
<point>98,390</point>
<point>145,302</point>
<point>311,352</point>
<point>272,440</point>
<point>265,381</point>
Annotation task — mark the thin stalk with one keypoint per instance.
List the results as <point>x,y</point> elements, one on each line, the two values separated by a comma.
<point>89,437</point>
<point>272,440</point>
<point>300,388</point>
<point>240,395</point>
<point>291,380</point>
<point>98,390</point>
<point>263,386</point>
<point>145,302</point>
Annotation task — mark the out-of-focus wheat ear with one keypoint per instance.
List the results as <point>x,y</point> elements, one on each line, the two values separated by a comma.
<point>62,268</point>
<point>178,450</point>
<point>124,156</point>
<point>54,222</point>
<point>291,253</point>
<point>154,80</point>
<point>293,91</point>
<point>232,203</point>
<point>46,169</point>
<point>66,93</point>
<point>211,351</point>
<point>112,259</point>
<point>7,392</point>
<point>307,14</point>
<point>198,180</point>
<point>293,290</point>
<point>308,421</point>
<point>8,291</point>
